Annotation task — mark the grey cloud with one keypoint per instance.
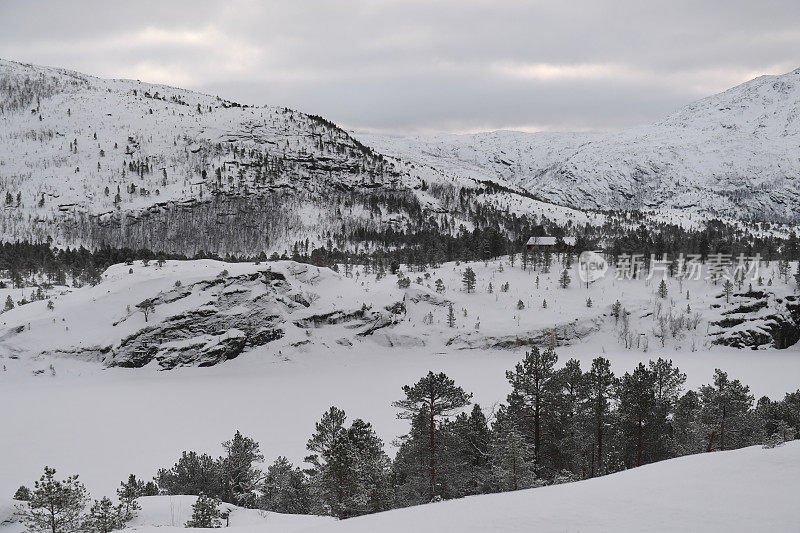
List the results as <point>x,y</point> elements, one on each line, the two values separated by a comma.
<point>417,65</point>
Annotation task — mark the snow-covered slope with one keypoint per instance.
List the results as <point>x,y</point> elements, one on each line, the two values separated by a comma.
<point>85,160</point>
<point>736,154</point>
<point>89,161</point>
<point>752,489</point>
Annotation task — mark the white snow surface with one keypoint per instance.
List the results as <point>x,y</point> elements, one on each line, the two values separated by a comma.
<point>752,489</point>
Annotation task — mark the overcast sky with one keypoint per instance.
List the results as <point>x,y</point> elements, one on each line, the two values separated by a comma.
<point>419,66</point>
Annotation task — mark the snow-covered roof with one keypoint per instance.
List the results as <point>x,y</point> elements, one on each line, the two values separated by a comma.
<point>541,241</point>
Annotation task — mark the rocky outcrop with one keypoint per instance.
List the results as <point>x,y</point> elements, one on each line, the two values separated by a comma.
<point>753,323</point>
<point>558,335</point>
<point>243,312</point>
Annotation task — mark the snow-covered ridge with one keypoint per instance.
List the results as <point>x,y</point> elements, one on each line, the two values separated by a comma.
<point>732,154</point>
<point>751,489</point>
<point>85,160</point>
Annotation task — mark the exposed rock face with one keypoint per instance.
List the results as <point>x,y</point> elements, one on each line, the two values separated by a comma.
<point>753,323</point>
<point>242,312</point>
<point>559,335</point>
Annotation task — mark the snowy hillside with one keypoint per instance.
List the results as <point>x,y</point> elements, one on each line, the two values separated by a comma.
<point>744,490</point>
<point>731,154</point>
<point>201,313</point>
<point>90,161</point>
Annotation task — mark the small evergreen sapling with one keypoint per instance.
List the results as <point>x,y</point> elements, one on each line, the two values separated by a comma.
<point>564,280</point>
<point>662,289</point>
<point>105,517</point>
<point>205,513</point>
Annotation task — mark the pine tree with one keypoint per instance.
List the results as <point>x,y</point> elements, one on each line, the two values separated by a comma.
<point>9,303</point>
<point>511,455</point>
<point>193,474</point>
<point>439,397</point>
<point>637,402</point>
<point>205,513</point>
<point>451,316</point>
<point>239,476</point>
<point>285,489</point>
<point>127,493</point>
<point>55,506</point>
<point>23,494</point>
<point>725,405</point>
<point>727,287</point>
<point>588,302</point>
<point>520,305</point>
<point>534,382</point>
<point>349,466</point>
<point>600,385</point>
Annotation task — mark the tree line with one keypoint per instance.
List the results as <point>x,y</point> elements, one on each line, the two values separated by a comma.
<point>558,424</point>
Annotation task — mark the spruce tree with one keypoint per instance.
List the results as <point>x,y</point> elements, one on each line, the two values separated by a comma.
<point>470,453</point>
<point>349,466</point>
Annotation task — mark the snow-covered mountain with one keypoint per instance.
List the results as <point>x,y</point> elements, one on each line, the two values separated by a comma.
<point>734,154</point>
<point>86,160</point>
<point>90,161</point>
